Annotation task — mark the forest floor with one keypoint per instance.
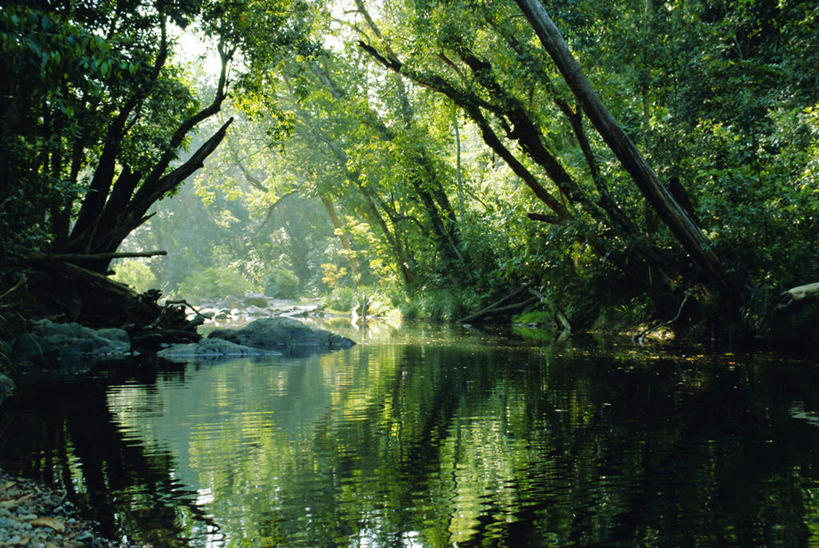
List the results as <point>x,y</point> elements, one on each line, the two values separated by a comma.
<point>33,515</point>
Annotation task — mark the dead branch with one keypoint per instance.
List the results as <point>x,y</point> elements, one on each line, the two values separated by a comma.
<point>183,302</point>
<point>641,338</point>
<point>17,286</point>
<point>92,256</point>
<point>497,306</point>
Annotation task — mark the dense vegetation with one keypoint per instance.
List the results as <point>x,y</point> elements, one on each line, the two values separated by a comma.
<point>442,154</point>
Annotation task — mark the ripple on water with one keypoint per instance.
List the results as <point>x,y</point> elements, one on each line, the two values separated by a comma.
<point>403,443</point>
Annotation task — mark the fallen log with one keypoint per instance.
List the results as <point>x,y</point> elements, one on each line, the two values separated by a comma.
<point>487,309</point>
<point>799,293</point>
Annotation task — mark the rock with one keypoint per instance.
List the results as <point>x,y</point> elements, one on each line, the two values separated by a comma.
<point>254,310</point>
<point>70,340</point>
<point>283,333</point>
<point>212,349</point>
<point>256,299</point>
<point>37,521</point>
<point>114,334</point>
<point>230,302</point>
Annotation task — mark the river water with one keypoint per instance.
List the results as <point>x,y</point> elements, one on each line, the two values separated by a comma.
<point>434,436</point>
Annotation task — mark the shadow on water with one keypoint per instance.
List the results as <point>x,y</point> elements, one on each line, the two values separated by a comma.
<point>440,438</point>
<point>65,436</point>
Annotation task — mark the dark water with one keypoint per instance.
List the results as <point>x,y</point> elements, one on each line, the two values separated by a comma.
<point>432,437</point>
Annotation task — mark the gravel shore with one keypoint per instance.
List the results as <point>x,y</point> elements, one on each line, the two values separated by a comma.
<point>32,515</point>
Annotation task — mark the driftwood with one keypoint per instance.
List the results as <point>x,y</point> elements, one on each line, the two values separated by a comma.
<point>799,293</point>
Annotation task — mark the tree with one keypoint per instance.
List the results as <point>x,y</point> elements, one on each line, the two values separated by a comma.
<point>106,115</point>
<point>673,214</point>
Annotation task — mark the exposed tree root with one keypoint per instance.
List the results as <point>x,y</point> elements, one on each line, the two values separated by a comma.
<point>64,292</point>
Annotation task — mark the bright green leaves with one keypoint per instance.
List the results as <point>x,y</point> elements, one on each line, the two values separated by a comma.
<point>49,46</point>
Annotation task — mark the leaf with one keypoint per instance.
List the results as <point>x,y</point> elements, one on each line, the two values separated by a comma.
<point>15,502</point>
<point>56,524</point>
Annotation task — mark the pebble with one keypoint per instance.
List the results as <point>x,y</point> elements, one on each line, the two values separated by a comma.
<point>33,515</point>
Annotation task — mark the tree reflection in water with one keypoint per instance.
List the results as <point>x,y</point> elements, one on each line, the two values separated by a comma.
<point>440,441</point>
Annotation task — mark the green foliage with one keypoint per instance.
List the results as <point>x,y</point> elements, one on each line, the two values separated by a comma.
<point>135,274</point>
<point>534,316</point>
<point>343,173</point>
<point>214,282</point>
<point>332,275</point>
<point>281,284</point>
<point>439,305</point>
<point>342,299</point>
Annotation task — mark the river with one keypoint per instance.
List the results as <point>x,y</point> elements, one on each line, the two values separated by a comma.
<point>436,436</point>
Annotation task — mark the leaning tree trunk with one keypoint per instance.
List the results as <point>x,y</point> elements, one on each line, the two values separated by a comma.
<point>684,228</point>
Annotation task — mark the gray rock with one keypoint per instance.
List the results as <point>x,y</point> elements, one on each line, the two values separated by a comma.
<point>230,302</point>
<point>70,340</point>
<point>254,310</point>
<point>256,299</point>
<point>282,332</point>
<point>114,334</point>
<point>213,349</point>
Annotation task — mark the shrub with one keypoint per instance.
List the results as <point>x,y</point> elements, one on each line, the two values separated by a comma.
<point>281,284</point>
<point>342,299</point>
<point>214,282</point>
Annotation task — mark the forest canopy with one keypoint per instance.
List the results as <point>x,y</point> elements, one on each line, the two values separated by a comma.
<point>600,161</point>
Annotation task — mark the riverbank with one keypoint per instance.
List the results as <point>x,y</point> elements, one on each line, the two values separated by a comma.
<point>34,515</point>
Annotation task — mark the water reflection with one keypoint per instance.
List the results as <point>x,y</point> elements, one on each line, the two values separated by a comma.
<point>439,438</point>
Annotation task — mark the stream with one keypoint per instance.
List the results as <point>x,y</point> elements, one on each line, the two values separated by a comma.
<point>437,436</point>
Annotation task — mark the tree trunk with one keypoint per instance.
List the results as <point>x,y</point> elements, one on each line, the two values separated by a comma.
<point>675,217</point>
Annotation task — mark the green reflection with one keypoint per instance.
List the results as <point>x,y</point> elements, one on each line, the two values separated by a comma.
<point>440,438</point>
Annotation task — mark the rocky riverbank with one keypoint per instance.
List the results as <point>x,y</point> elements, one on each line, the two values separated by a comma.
<point>32,515</point>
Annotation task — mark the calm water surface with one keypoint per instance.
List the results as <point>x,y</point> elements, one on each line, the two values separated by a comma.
<point>436,437</point>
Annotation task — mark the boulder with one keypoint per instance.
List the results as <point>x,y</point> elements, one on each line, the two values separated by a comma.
<point>283,333</point>
<point>70,340</point>
<point>212,349</point>
<point>256,299</point>
<point>253,310</point>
